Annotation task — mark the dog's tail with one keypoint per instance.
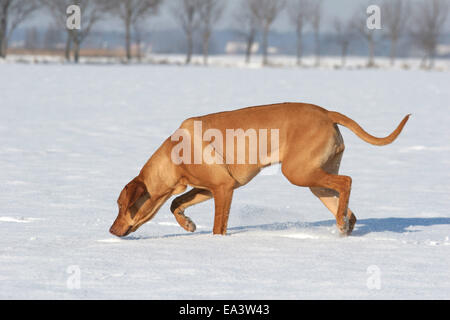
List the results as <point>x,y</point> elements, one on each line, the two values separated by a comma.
<point>339,118</point>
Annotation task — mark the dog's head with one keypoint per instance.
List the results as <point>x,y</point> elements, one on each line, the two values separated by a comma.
<point>136,207</point>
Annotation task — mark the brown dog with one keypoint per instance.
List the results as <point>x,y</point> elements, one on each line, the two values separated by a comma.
<point>309,147</point>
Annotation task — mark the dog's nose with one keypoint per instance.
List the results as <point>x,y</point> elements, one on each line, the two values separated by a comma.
<point>115,230</point>
<point>112,230</point>
<point>119,233</point>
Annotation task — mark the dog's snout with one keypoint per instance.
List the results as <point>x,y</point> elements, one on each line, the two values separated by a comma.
<point>118,231</point>
<point>112,230</point>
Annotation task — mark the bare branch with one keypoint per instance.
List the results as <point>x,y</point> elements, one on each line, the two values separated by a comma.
<point>429,21</point>
<point>18,12</point>
<point>247,24</point>
<point>299,12</point>
<point>316,21</point>
<point>91,12</point>
<point>132,13</point>
<point>395,15</point>
<point>343,36</point>
<point>187,14</point>
<point>210,12</point>
<point>267,11</point>
<point>12,14</point>
<point>359,24</point>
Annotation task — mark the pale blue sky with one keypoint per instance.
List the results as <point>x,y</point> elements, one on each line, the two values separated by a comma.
<point>340,8</point>
<point>165,20</point>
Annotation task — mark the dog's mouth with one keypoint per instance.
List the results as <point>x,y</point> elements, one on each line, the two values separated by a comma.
<point>129,230</point>
<point>121,234</point>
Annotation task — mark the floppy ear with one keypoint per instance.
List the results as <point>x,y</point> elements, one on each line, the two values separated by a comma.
<point>135,190</point>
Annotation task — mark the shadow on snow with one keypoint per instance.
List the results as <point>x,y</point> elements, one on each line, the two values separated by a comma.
<point>363,227</point>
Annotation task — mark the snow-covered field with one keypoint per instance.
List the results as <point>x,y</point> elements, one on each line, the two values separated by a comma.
<point>72,136</point>
<point>233,61</point>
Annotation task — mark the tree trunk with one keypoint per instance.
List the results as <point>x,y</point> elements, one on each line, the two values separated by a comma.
<point>248,51</point>
<point>139,50</point>
<point>317,47</point>
<point>393,51</point>
<point>344,54</point>
<point>205,49</point>
<point>3,35</point>
<point>190,46</point>
<point>432,58</point>
<point>76,50</point>
<point>265,44</point>
<point>68,46</point>
<point>299,48</point>
<point>3,46</point>
<point>371,62</point>
<point>128,40</point>
<point>423,62</point>
<point>138,40</point>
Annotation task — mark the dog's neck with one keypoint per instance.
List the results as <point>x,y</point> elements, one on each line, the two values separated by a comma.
<point>160,174</point>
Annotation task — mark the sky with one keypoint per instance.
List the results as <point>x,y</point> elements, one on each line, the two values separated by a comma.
<point>343,9</point>
<point>165,20</point>
<point>339,8</point>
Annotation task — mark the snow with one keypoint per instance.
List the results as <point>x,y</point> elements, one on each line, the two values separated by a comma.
<point>72,136</point>
<point>239,61</point>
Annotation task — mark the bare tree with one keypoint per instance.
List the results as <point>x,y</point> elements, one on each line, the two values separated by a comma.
<point>395,14</point>
<point>12,14</point>
<point>91,12</point>
<point>247,24</point>
<point>344,36</point>
<point>299,12</point>
<point>57,9</point>
<point>316,22</point>
<point>210,12</point>
<point>138,33</point>
<point>429,19</point>
<point>131,12</point>
<point>360,26</point>
<point>266,12</point>
<point>31,38</point>
<point>186,12</point>
<point>51,38</point>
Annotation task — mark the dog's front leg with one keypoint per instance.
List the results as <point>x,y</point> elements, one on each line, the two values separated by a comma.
<point>222,200</point>
<point>180,203</point>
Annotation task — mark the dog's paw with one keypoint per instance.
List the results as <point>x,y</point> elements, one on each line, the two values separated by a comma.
<point>189,225</point>
<point>351,225</point>
<point>185,222</point>
<point>347,226</point>
<point>344,227</point>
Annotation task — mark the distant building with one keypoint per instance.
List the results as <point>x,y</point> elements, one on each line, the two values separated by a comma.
<point>443,50</point>
<point>233,47</point>
<point>272,50</point>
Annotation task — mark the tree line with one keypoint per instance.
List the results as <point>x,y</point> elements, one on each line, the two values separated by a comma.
<point>423,22</point>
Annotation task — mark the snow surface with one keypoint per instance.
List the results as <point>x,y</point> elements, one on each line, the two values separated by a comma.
<point>72,136</point>
<point>229,60</point>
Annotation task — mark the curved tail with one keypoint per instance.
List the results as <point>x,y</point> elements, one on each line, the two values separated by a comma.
<point>339,118</point>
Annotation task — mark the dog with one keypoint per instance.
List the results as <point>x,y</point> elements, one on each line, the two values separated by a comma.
<point>309,148</point>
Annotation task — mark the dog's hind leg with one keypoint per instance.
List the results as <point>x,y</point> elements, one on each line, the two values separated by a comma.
<point>181,203</point>
<point>330,198</point>
<point>305,174</point>
<point>331,201</point>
